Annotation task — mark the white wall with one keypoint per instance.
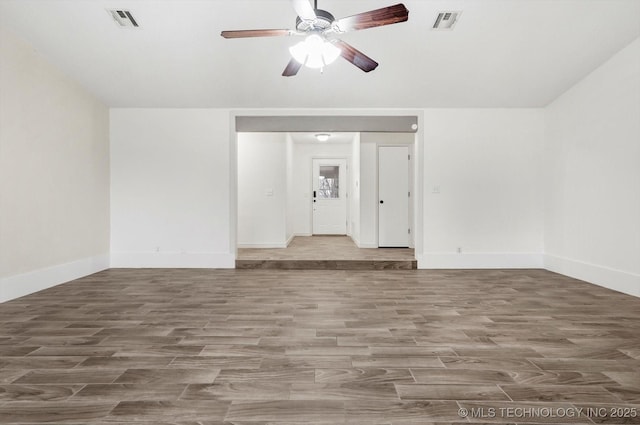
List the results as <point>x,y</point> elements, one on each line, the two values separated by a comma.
<point>486,166</point>
<point>170,188</point>
<point>54,174</point>
<point>262,190</point>
<point>368,194</point>
<point>303,154</point>
<point>354,184</point>
<point>592,213</point>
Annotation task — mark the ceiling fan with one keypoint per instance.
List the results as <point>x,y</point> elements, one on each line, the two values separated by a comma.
<point>321,45</point>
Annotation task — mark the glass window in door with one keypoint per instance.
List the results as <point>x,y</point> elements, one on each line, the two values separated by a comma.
<point>329,184</point>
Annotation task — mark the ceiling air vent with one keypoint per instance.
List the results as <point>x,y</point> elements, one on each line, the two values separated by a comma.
<point>446,20</point>
<point>124,18</point>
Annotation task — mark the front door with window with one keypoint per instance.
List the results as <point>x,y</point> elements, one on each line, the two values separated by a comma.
<point>329,197</point>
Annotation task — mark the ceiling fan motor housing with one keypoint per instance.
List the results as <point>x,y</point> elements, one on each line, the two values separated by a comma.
<point>322,22</point>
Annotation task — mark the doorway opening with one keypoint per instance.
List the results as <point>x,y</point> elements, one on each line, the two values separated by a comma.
<point>315,205</point>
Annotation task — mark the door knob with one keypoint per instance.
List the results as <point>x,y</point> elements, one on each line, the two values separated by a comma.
<point>382,202</point>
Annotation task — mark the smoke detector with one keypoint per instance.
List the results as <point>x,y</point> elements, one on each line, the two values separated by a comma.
<point>446,20</point>
<point>124,18</point>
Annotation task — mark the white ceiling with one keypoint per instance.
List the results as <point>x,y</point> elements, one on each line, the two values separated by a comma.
<point>502,53</point>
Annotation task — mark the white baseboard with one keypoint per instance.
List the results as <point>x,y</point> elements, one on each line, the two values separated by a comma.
<point>286,244</point>
<point>202,260</point>
<point>360,244</point>
<point>16,286</point>
<point>273,244</point>
<point>618,280</point>
<point>481,260</point>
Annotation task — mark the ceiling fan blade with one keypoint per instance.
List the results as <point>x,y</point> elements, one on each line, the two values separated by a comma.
<point>292,68</point>
<point>304,10</point>
<point>255,33</point>
<point>356,57</point>
<point>374,18</point>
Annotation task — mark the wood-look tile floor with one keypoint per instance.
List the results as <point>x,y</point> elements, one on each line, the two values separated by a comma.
<point>325,247</point>
<point>326,252</point>
<point>320,347</point>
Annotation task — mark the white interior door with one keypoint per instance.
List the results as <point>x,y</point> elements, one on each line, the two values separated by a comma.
<point>393,196</point>
<point>329,197</point>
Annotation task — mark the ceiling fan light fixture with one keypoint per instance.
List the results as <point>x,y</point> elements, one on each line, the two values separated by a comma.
<point>322,137</point>
<point>314,52</point>
<point>321,47</point>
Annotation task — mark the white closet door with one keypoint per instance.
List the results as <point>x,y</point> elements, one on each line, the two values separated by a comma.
<point>393,196</point>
